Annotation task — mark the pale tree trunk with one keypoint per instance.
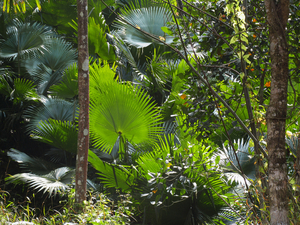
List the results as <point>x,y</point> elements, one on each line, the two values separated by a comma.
<point>277,16</point>
<point>83,95</point>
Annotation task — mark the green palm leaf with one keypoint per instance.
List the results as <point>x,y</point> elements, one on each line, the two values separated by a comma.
<point>53,182</point>
<point>33,165</point>
<point>60,134</point>
<point>112,175</point>
<point>24,39</point>
<point>245,159</point>
<point>150,20</point>
<point>24,90</point>
<point>48,69</point>
<point>68,86</point>
<point>57,109</point>
<point>101,73</point>
<point>120,110</point>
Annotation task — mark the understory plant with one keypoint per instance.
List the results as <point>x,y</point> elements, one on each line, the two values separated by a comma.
<point>172,183</point>
<point>98,209</point>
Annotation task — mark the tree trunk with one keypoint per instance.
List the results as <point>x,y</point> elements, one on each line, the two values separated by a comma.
<point>297,169</point>
<point>83,95</point>
<point>277,16</point>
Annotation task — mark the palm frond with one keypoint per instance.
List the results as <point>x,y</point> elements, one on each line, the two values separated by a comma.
<point>48,69</point>
<point>54,182</point>
<point>25,39</point>
<point>242,156</point>
<point>100,74</point>
<point>57,109</point>
<point>67,88</point>
<point>33,165</point>
<point>60,134</point>
<point>24,90</point>
<point>119,109</point>
<point>112,175</point>
<point>150,20</point>
<point>98,43</point>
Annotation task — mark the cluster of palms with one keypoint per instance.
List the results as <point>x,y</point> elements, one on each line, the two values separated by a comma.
<point>135,145</point>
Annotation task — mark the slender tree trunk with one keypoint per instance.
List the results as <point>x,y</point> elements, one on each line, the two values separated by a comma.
<point>83,95</point>
<point>297,169</point>
<point>277,16</point>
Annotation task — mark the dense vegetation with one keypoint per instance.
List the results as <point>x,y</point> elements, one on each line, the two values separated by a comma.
<point>179,92</point>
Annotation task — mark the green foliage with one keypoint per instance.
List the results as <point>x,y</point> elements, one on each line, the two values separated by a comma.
<point>100,209</point>
<point>97,40</point>
<point>60,134</point>
<point>120,110</point>
<point>47,69</point>
<point>148,19</point>
<point>24,39</point>
<point>178,178</point>
<point>67,88</point>
<point>57,109</point>
<point>58,14</point>
<point>173,178</point>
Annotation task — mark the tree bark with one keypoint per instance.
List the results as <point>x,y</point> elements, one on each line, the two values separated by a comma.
<point>297,169</point>
<point>83,95</point>
<point>277,16</point>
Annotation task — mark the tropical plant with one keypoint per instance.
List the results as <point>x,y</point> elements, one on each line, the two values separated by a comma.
<point>24,40</point>
<point>121,112</point>
<point>238,165</point>
<point>43,175</point>
<point>47,69</point>
<point>148,19</point>
<point>171,178</point>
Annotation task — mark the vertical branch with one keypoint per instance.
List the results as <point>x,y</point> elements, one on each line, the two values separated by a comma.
<point>83,95</point>
<point>277,16</point>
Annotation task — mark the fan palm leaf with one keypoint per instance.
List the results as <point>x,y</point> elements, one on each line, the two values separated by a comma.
<point>24,90</point>
<point>57,109</point>
<point>60,134</point>
<point>30,164</point>
<point>53,182</point>
<point>101,73</point>
<point>48,69</point>
<point>150,20</point>
<point>67,88</point>
<point>25,39</point>
<point>112,175</point>
<point>242,157</point>
<point>120,110</point>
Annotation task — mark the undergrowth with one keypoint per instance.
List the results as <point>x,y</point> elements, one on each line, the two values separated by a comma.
<point>99,209</point>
